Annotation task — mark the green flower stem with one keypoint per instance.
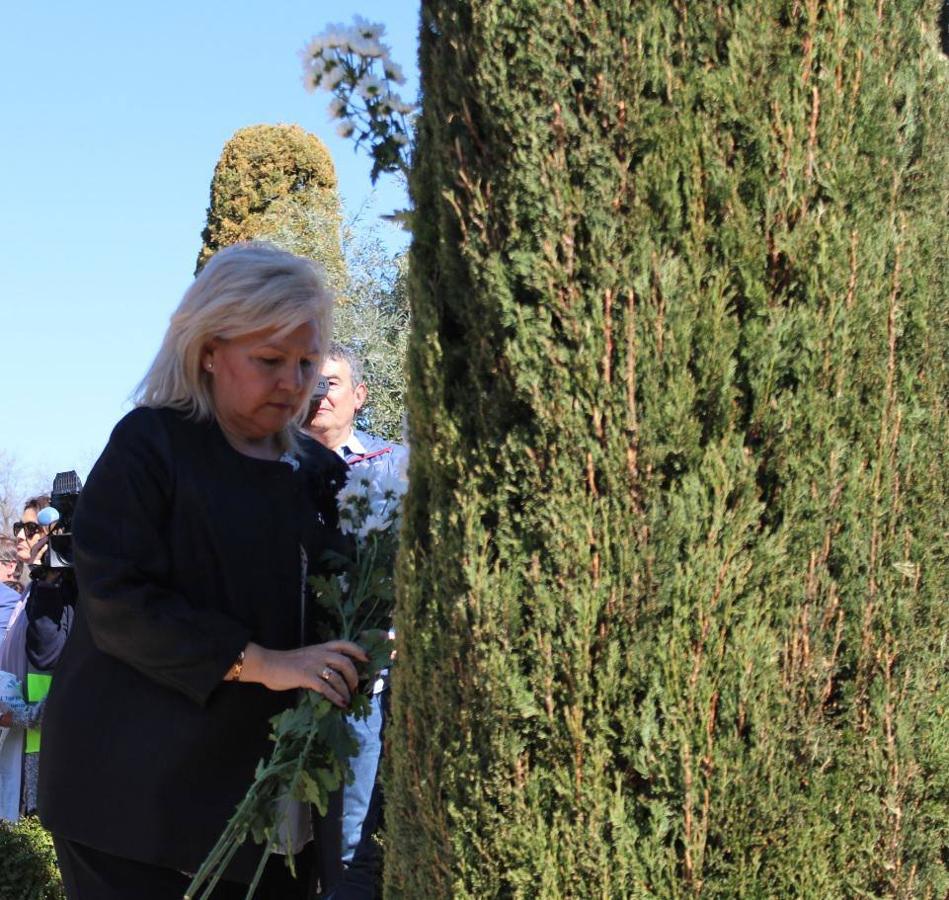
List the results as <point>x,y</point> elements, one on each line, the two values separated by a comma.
<point>262,792</point>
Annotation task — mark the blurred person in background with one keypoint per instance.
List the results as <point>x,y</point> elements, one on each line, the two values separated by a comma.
<point>332,419</point>
<point>9,585</point>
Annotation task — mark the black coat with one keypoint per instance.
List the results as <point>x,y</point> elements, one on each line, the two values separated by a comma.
<point>185,550</point>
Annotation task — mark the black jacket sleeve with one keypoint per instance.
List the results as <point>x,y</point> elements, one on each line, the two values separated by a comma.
<point>127,594</point>
<point>49,613</point>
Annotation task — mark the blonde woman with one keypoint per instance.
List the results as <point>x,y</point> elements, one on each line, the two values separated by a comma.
<point>159,707</point>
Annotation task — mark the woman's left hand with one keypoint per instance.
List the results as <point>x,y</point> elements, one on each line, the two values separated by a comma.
<point>326,668</point>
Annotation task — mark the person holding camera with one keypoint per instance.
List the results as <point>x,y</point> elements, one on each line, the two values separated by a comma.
<point>35,633</point>
<point>192,540</point>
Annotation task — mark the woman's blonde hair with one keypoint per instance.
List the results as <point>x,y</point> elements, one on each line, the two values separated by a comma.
<point>244,288</point>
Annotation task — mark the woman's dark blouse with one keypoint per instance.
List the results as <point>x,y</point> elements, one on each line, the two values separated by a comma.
<point>185,550</point>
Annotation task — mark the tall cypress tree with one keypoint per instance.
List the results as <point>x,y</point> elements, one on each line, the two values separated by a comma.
<point>672,609</point>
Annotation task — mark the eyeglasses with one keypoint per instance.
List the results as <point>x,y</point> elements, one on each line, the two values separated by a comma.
<point>29,529</point>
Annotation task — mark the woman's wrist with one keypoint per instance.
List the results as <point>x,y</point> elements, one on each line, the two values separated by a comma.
<point>254,663</point>
<point>248,665</point>
<point>258,665</point>
<point>237,667</point>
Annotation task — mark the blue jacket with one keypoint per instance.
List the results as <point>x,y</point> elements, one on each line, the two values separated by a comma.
<point>8,599</point>
<point>388,455</point>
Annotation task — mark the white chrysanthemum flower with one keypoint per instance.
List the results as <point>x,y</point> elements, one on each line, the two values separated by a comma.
<point>357,487</point>
<point>370,86</point>
<point>374,523</point>
<point>345,128</point>
<point>314,48</point>
<point>337,108</point>
<point>333,74</point>
<point>369,30</point>
<point>367,48</point>
<point>398,138</point>
<point>393,71</point>
<point>375,50</point>
<point>346,524</point>
<point>310,77</point>
<point>390,486</point>
<point>335,36</point>
<point>349,39</point>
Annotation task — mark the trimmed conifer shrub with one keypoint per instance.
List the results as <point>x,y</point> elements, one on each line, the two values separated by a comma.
<point>277,183</point>
<point>28,869</point>
<point>672,617</point>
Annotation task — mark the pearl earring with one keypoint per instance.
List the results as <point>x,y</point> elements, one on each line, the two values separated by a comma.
<point>209,366</point>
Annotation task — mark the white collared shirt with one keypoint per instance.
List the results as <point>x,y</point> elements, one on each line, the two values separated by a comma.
<point>354,445</point>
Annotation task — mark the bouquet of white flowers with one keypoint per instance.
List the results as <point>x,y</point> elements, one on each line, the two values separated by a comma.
<point>312,743</point>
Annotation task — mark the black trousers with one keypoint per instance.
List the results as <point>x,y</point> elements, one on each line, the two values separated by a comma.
<point>90,874</point>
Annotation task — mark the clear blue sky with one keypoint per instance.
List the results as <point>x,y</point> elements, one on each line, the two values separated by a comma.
<point>114,115</point>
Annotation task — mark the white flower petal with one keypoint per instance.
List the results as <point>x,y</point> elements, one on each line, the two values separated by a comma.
<point>373,523</point>
<point>332,76</point>
<point>370,86</point>
<point>393,71</point>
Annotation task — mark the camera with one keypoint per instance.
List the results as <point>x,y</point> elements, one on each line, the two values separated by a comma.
<point>320,390</point>
<point>57,517</point>
<point>52,593</point>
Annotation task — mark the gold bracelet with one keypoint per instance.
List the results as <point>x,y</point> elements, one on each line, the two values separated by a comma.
<point>234,672</point>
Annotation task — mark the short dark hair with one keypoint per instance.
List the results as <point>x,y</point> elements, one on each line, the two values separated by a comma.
<point>348,355</point>
<point>40,501</point>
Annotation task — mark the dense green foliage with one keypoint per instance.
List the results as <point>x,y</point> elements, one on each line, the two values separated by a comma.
<point>373,318</point>
<point>672,616</point>
<point>28,869</point>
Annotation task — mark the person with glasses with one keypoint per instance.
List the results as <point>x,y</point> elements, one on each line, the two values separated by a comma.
<point>192,541</point>
<point>19,755</point>
<point>30,535</point>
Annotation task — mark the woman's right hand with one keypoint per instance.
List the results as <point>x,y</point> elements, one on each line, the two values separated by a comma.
<point>326,668</point>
